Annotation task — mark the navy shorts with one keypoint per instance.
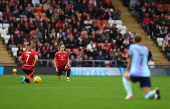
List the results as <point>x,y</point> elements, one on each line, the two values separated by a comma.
<point>144,81</point>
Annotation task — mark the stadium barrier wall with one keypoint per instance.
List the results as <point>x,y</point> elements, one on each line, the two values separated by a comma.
<point>103,71</point>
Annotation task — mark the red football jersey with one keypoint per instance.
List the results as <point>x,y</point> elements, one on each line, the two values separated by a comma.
<point>61,59</point>
<point>28,57</point>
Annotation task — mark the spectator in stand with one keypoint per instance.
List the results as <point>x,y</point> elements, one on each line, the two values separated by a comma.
<point>6,17</point>
<point>91,46</point>
<point>20,51</point>
<point>40,63</point>
<point>51,39</point>
<point>113,45</point>
<point>49,12</point>
<point>88,24</point>
<point>163,31</point>
<point>164,44</point>
<point>37,22</point>
<point>35,2</point>
<point>157,32</point>
<point>38,33</point>
<point>46,6</point>
<point>162,19</point>
<point>112,35</point>
<point>153,7</point>
<point>146,21</point>
<point>118,33</point>
<point>35,39</point>
<point>71,42</point>
<point>131,41</point>
<point>28,8</point>
<point>133,3</point>
<point>41,27</point>
<point>85,63</point>
<point>30,14</point>
<point>142,13</point>
<point>21,12</point>
<point>105,36</point>
<point>11,42</point>
<point>133,34</point>
<point>86,41</point>
<point>19,40</point>
<point>168,51</point>
<point>106,46</point>
<point>68,33</point>
<point>11,29</point>
<point>137,8</point>
<point>168,36</point>
<point>100,57</point>
<point>160,9</point>
<point>109,14</point>
<point>95,14</point>
<point>116,13</point>
<point>127,35</point>
<point>151,28</point>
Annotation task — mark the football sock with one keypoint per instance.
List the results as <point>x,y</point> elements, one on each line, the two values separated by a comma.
<point>68,72</point>
<point>27,80</point>
<point>150,95</point>
<point>127,85</point>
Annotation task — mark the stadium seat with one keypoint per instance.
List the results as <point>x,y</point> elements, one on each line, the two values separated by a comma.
<point>42,14</point>
<point>5,25</point>
<point>68,49</point>
<point>118,22</point>
<point>35,14</point>
<point>4,31</point>
<point>6,38</point>
<point>104,21</point>
<point>24,49</point>
<point>0,25</point>
<point>14,51</point>
<point>3,35</point>
<point>38,9</point>
<point>123,28</point>
<point>126,51</point>
<point>101,27</point>
<point>151,64</point>
<point>123,32</point>
<point>75,50</point>
<point>160,41</point>
<point>97,21</point>
<point>119,26</point>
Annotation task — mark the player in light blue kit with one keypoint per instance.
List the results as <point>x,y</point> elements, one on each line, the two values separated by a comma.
<point>138,70</point>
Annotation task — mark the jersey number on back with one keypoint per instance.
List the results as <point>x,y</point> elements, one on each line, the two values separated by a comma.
<point>27,57</point>
<point>141,61</point>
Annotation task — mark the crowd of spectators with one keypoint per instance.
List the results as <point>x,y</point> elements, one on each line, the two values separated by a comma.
<point>155,15</point>
<point>71,22</point>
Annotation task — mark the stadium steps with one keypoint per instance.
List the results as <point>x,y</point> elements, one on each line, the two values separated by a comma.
<point>5,56</point>
<point>133,25</point>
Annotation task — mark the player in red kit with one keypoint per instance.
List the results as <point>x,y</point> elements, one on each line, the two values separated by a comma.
<point>30,59</point>
<point>62,63</point>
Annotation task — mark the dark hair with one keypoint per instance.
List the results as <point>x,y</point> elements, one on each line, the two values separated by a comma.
<point>138,38</point>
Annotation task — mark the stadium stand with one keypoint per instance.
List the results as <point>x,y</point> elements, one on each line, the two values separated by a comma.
<point>75,24</point>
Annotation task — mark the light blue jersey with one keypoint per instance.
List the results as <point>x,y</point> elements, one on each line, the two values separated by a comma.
<point>139,60</point>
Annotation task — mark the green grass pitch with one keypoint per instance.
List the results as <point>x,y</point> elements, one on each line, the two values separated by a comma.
<point>82,92</point>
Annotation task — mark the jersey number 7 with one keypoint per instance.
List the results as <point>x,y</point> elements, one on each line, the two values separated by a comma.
<point>27,57</point>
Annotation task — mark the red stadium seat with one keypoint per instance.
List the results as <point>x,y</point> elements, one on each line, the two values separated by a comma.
<point>69,49</point>
<point>38,9</point>
<point>97,21</point>
<point>126,51</point>
<point>42,14</point>
<point>166,28</point>
<point>101,44</point>
<point>35,14</point>
<point>104,21</point>
<point>101,27</point>
<point>95,43</point>
<point>75,50</point>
